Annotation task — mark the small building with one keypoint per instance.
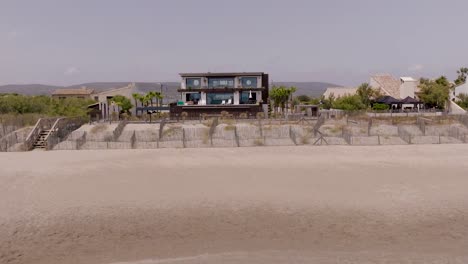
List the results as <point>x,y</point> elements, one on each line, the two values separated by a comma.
<point>396,88</point>
<point>408,87</point>
<point>81,93</point>
<point>103,108</point>
<point>460,89</point>
<point>213,93</point>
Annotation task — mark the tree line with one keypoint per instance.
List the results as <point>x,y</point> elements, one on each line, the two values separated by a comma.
<point>44,105</point>
<point>69,107</point>
<point>434,93</point>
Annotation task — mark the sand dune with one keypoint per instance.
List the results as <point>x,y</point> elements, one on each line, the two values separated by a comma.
<point>399,204</point>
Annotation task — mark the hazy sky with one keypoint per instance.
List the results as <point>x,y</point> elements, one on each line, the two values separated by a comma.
<point>341,41</point>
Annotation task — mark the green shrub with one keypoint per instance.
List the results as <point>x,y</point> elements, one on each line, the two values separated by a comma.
<point>380,107</point>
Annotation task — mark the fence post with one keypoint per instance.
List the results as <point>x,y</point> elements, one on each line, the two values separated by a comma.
<point>261,127</point>
<point>292,135</point>
<point>236,136</point>
<point>183,138</point>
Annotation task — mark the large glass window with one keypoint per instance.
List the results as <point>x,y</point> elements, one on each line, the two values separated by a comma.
<point>249,82</point>
<point>248,97</point>
<point>192,98</point>
<point>219,98</point>
<point>193,83</point>
<point>220,82</point>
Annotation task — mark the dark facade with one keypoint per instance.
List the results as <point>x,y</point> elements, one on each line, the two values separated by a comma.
<point>213,93</point>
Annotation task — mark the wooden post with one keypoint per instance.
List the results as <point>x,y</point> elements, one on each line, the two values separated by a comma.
<point>183,138</point>
<point>236,136</point>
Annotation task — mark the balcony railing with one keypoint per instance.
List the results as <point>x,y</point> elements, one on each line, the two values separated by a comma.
<point>219,89</point>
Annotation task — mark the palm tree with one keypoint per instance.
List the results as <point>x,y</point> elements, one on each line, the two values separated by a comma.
<point>136,97</point>
<point>150,96</point>
<point>159,98</point>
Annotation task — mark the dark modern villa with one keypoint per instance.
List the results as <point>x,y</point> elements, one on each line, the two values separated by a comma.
<point>213,93</point>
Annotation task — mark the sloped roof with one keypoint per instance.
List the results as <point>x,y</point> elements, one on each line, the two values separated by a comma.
<point>409,100</point>
<point>388,100</point>
<point>115,90</point>
<point>388,84</point>
<point>339,91</point>
<point>71,91</point>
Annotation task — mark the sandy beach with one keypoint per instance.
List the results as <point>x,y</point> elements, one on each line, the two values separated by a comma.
<point>331,204</point>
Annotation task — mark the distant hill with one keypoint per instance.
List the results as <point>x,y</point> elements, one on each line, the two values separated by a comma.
<point>313,89</point>
<point>28,89</point>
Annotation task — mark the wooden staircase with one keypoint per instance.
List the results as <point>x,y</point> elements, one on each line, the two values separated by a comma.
<point>41,140</point>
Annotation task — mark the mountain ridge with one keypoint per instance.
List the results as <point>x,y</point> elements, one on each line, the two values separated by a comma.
<point>313,89</point>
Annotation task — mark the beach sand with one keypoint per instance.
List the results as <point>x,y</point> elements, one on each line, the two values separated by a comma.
<point>331,204</point>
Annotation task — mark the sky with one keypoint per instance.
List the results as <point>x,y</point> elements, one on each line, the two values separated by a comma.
<point>64,42</point>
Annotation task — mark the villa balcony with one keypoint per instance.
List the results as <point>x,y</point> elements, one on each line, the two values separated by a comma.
<point>219,90</point>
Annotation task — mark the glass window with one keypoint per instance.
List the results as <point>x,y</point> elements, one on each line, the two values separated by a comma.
<point>221,82</point>
<point>193,83</point>
<point>249,82</point>
<point>218,98</point>
<point>248,97</point>
<point>193,97</point>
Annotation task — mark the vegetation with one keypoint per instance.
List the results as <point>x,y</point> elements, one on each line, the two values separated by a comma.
<point>44,105</point>
<point>98,128</point>
<point>259,142</point>
<point>380,107</point>
<point>435,93</point>
<point>327,103</point>
<point>367,94</point>
<point>136,98</point>
<point>281,96</point>
<point>303,98</point>
<point>123,103</point>
<point>463,100</point>
<point>230,128</point>
<point>349,103</point>
<point>462,73</point>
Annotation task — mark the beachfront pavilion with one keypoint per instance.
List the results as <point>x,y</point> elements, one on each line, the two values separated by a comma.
<point>397,104</point>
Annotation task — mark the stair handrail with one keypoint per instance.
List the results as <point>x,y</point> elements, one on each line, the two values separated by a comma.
<point>32,136</point>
